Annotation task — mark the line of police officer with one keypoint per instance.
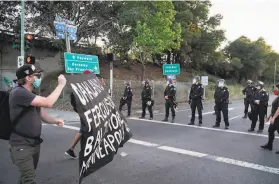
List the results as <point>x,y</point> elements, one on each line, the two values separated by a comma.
<point>256,97</point>
<point>147,101</point>
<point>221,96</point>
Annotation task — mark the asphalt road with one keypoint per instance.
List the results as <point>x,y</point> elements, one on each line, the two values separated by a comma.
<point>162,153</point>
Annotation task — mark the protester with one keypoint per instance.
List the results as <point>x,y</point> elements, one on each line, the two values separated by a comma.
<point>70,152</point>
<point>25,139</point>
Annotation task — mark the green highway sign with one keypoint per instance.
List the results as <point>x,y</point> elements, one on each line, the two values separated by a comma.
<point>77,63</point>
<point>171,69</point>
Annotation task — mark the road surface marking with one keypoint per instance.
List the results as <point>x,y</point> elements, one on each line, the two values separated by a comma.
<point>199,155</point>
<point>205,128</point>
<point>148,144</point>
<point>175,111</point>
<point>123,154</point>
<point>211,112</point>
<point>235,117</point>
<point>182,151</point>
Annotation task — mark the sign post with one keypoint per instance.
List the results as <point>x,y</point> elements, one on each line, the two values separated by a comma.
<point>204,81</point>
<point>22,28</point>
<point>65,29</point>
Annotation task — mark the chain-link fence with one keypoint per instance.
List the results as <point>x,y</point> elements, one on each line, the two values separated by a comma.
<point>182,92</point>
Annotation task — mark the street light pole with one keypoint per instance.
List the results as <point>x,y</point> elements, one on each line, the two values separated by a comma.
<point>274,77</point>
<point>22,28</point>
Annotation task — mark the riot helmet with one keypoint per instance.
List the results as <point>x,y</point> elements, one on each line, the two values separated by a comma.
<point>259,85</point>
<point>196,79</point>
<point>220,82</point>
<point>249,82</point>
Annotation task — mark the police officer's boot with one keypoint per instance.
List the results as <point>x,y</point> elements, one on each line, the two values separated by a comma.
<point>165,120</point>
<point>245,116</point>
<point>277,152</point>
<point>172,120</point>
<point>267,146</point>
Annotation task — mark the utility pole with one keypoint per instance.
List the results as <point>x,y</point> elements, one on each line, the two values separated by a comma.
<point>22,28</point>
<point>274,77</point>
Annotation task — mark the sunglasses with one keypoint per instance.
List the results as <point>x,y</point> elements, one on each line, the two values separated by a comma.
<point>38,75</point>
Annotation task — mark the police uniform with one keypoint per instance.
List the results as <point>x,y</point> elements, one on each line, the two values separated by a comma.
<point>248,91</point>
<point>221,97</point>
<point>259,109</point>
<point>274,126</point>
<point>147,102</point>
<point>127,98</point>
<point>195,99</point>
<point>170,93</point>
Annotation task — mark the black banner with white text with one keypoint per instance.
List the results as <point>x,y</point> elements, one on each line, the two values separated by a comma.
<point>104,128</point>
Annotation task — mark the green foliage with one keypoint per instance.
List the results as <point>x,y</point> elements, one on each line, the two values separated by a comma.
<point>157,32</point>
<point>148,30</point>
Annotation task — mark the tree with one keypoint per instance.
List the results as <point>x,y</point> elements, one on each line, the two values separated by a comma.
<point>9,15</point>
<point>250,54</point>
<point>92,18</point>
<point>156,32</point>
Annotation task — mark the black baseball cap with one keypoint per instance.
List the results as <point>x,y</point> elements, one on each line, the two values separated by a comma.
<point>26,70</point>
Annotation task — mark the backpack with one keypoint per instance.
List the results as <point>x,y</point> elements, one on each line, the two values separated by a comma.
<point>6,126</point>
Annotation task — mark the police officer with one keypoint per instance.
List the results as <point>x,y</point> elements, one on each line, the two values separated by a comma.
<point>169,95</point>
<point>195,99</point>
<point>274,121</point>
<point>221,97</point>
<point>248,91</point>
<point>147,102</point>
<point>259,107</point>
<point>127,98</point>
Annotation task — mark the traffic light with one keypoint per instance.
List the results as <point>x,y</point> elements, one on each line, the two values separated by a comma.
<point>28,41</point>
<point>30,60</point>
<point>16,42</point>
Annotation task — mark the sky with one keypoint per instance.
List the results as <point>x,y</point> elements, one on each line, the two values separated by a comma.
<point>252,18</point>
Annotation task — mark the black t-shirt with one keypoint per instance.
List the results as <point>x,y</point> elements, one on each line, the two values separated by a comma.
<point>274,106</point>
<point>30,123</point>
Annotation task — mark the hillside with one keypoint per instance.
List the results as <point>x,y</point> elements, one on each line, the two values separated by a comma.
<point>133,72</point>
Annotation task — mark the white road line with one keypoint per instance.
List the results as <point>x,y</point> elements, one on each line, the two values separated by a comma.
<point>182,151</point>
<point>200,155</point>
<point>235,117</point>
<point>70,127</point>
<point>211,112</point>
<point>148,144</point>
<point>175,111</point>
<point>123,154</point>
<point>205,128</point>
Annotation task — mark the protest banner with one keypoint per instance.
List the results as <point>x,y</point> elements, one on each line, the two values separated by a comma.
<point>104,128</point>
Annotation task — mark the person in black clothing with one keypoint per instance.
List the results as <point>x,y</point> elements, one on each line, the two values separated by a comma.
<point>195,99</point>
<point>274,121</point>
<point>259,107</point>
<point>221,97</point>
<point>248,91</point>
<point>169,95</point>
<point>147,102</point>
<point>127,98</point>
<point>70,152</point>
